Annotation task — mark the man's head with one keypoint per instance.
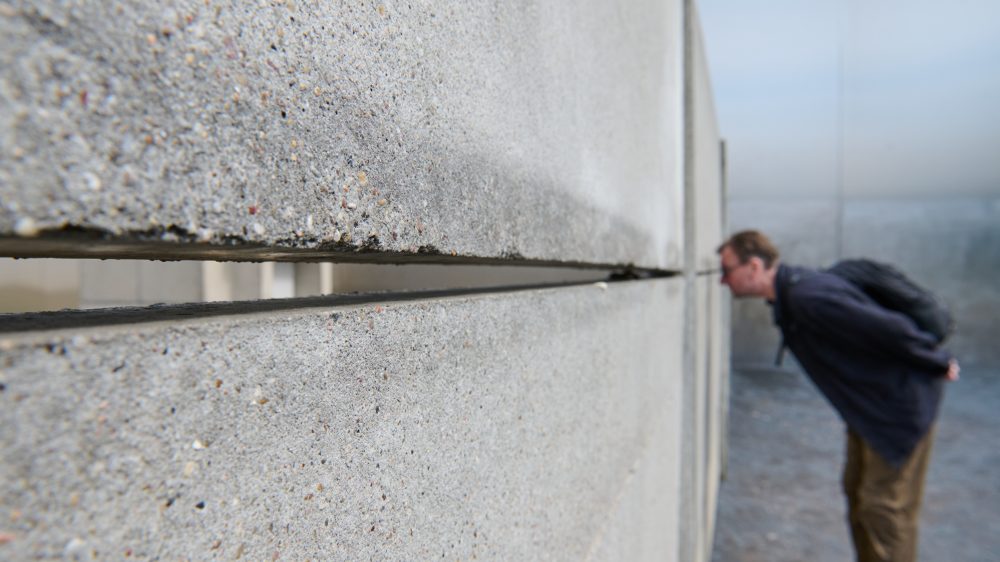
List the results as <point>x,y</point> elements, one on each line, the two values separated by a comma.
<point>749,262</point>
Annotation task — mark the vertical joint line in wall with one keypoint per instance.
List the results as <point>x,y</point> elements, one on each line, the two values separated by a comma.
<point>688,543</point>
<point>688,162</point>
<point>723,188</point>
<point>840,160</point>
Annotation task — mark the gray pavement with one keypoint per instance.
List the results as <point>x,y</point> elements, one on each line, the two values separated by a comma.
<point>781,501</point>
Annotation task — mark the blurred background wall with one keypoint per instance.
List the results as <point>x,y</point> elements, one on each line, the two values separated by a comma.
<point>866,129</point>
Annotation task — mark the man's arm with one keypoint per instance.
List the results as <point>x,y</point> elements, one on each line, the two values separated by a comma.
<point>862,323</point>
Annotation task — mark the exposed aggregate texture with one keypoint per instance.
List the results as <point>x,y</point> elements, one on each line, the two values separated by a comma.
<point>537,130</point>
<point>463,427</point>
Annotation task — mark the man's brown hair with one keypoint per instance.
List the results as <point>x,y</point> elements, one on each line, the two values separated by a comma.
<point>749,243</point>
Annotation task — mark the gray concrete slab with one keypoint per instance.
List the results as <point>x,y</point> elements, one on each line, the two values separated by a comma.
<point>715,373</point>
<point>462,427</point>
<point>541,130</point>
<point>104,283</point>
<point>707,161</point>
<point>44,284</point>
<point>950,246</point>
<point>170,282</point>
<point>645,522</point>
<point>702,418</point>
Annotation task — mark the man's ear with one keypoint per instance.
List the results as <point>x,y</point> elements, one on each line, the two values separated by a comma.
<point>756,264</point>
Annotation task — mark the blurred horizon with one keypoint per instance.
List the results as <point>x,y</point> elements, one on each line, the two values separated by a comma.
<point>857,100</point>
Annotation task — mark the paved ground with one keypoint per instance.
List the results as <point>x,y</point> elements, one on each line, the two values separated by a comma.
<point>781,501</point>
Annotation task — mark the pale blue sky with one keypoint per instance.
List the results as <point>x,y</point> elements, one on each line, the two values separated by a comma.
<point>889,97</point>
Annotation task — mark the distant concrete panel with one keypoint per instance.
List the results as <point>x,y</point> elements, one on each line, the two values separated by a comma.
<point>366,277</point>
<point>950,246</point>
<point>38,285</point>
<point>703,419</point>
<point>715,373</point>
<point>129,283</point>
<point>707,159</point>
<point>537,130</point>
<point>464,427</point>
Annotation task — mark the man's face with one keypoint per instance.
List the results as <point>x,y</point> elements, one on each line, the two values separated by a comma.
<point>741,278</point>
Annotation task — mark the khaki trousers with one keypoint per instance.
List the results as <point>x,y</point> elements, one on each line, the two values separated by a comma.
<point>884,501</point>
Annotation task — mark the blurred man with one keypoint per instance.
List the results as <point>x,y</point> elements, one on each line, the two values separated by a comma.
<point>883,376</point>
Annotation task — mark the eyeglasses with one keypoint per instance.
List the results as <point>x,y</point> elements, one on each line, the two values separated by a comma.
<point>728,270</point>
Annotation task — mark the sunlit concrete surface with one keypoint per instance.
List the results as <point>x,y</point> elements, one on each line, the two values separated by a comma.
<point>539,424</point>
<point>537,130</point>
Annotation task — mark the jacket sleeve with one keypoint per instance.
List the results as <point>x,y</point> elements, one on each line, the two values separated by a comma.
<point>851,320</point>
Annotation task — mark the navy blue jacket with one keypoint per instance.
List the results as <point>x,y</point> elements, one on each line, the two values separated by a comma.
<point>884,376</point>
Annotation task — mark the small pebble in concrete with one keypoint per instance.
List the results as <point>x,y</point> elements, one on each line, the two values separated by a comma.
<point>75,549</point>
<point>25,226</point>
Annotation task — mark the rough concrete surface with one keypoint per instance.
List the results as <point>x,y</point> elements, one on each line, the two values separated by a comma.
<point>702,419</point>
<point>782,500</point>
<point>536,130</point>
<point>457,428</point>
<point>706,156</point>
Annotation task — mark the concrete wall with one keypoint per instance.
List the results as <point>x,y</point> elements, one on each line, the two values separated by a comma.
<point>579,421</point>
<point>345,129</point>
<point>45,284</point>
<point>464,426</point>
<point>705,368</point>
